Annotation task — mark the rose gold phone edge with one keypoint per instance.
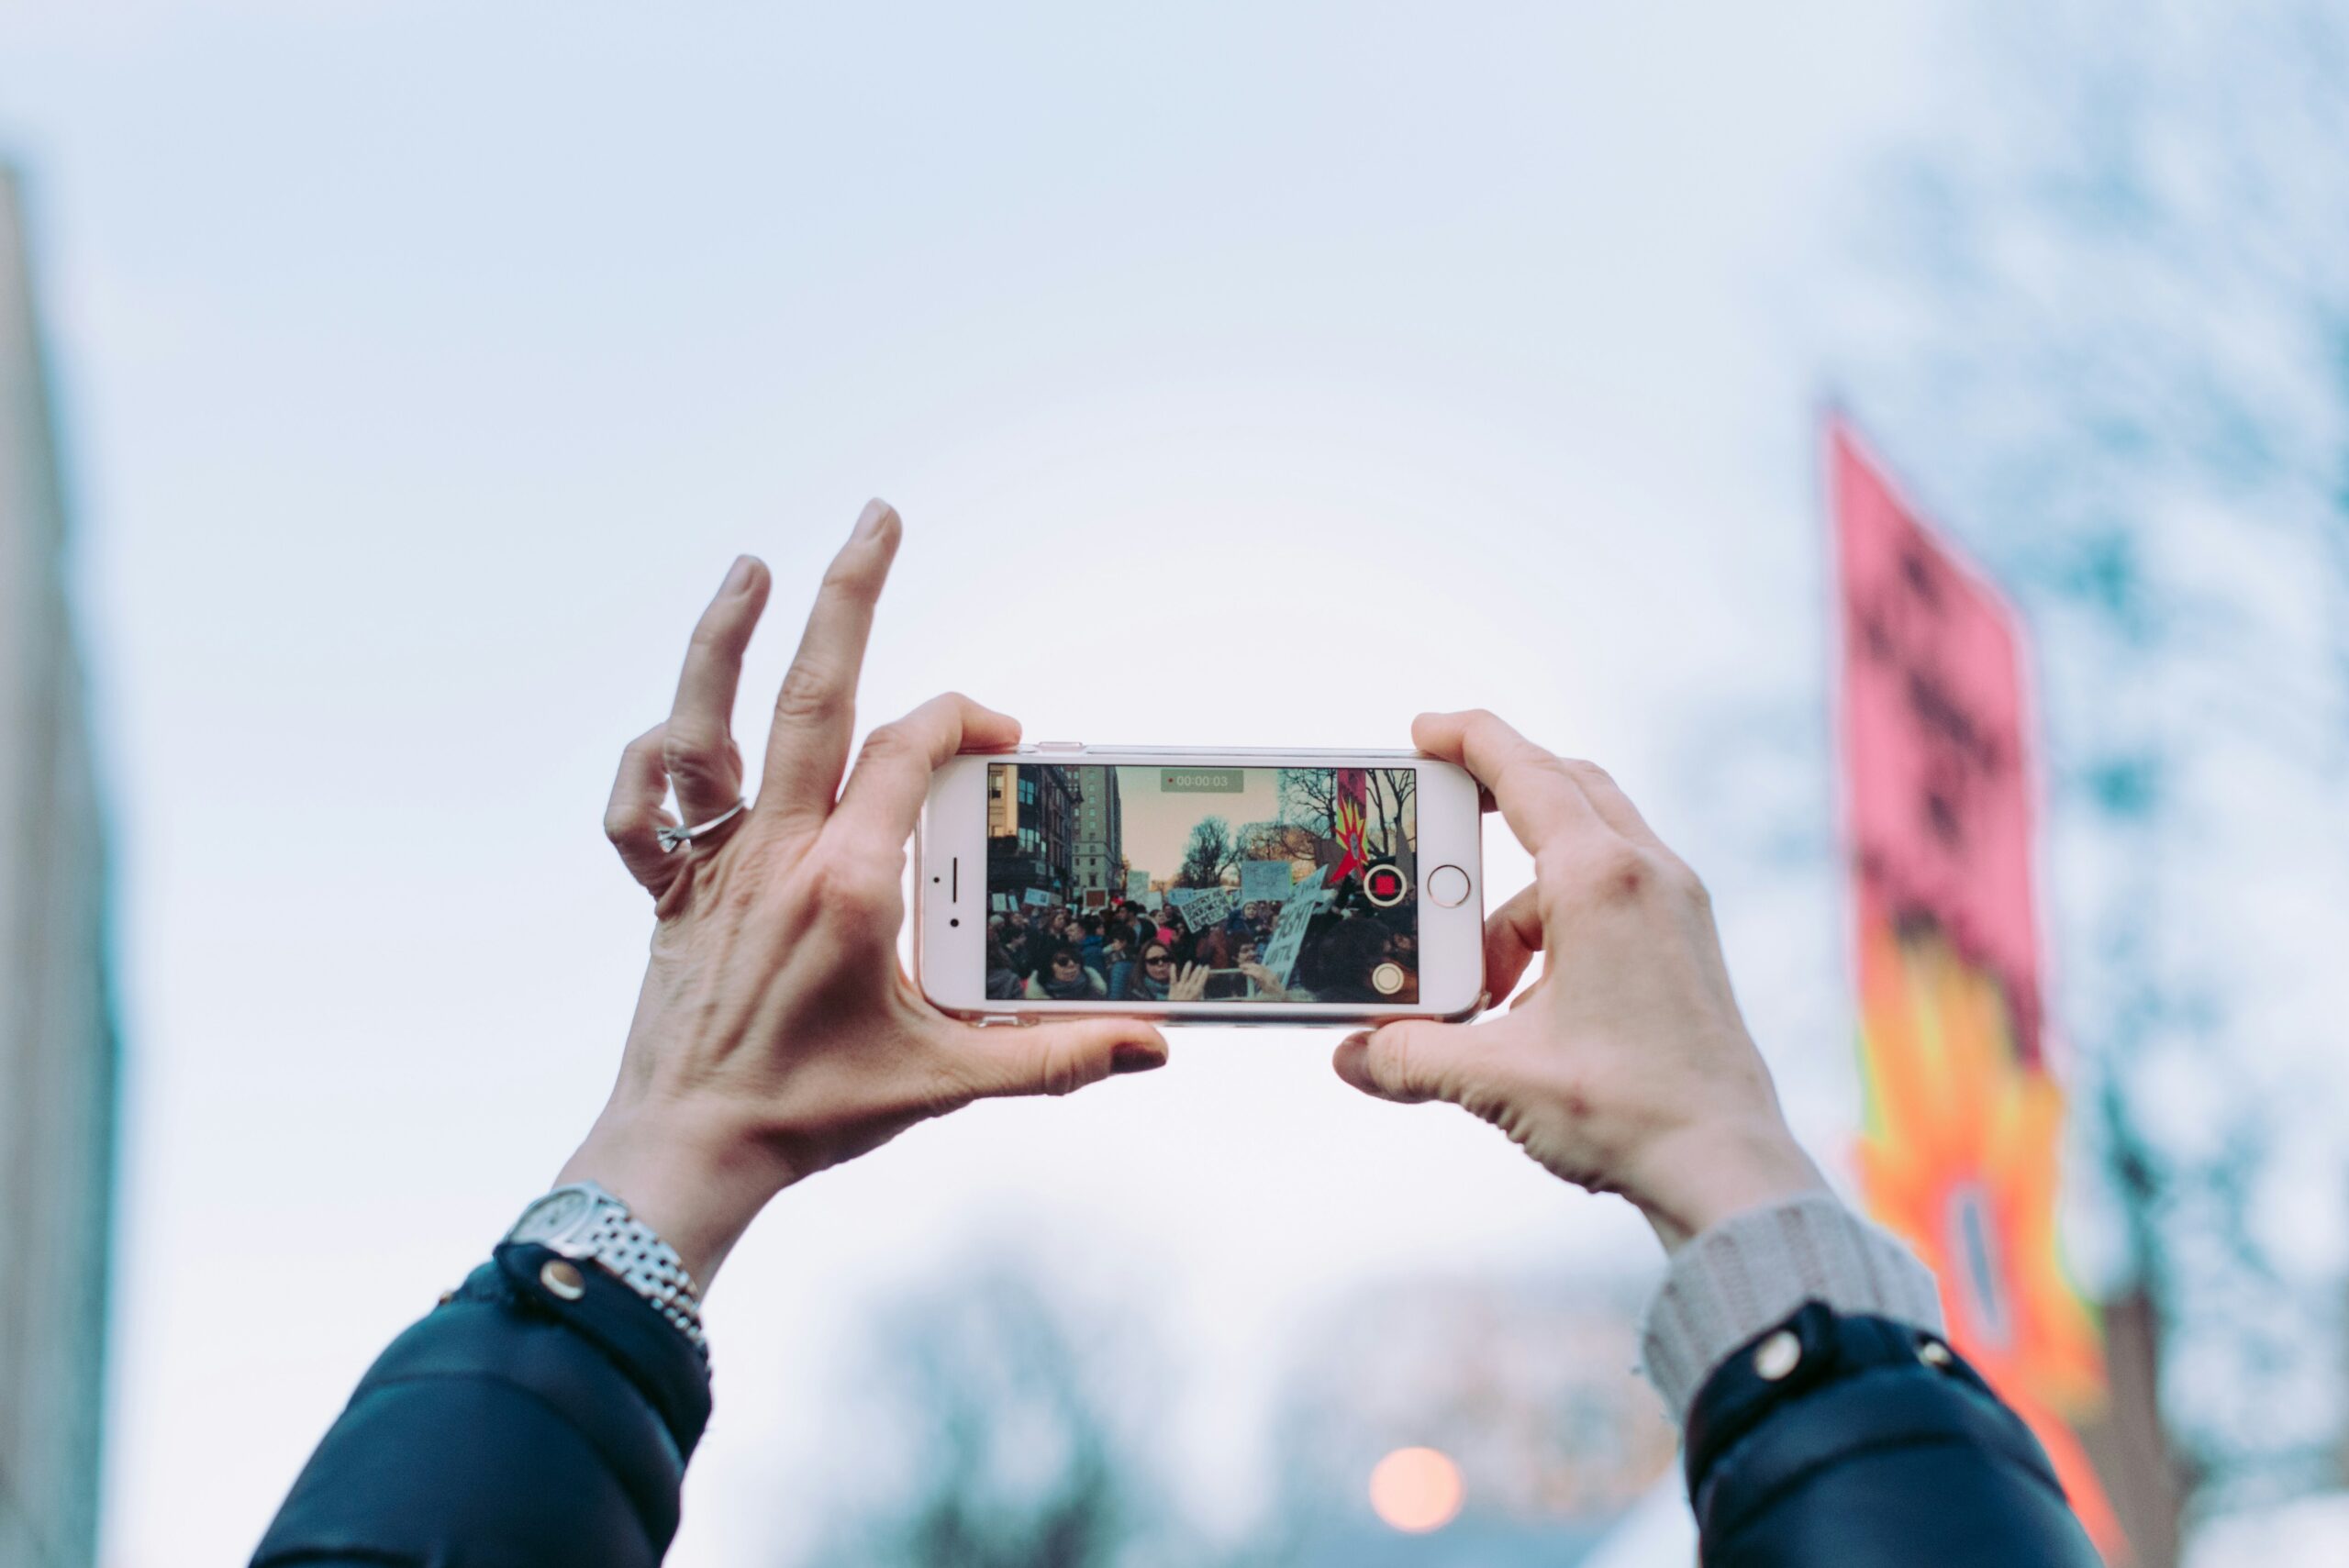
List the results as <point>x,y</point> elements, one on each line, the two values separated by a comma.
<point>949,959</point>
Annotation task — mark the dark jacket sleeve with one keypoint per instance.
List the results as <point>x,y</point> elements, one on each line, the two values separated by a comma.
<point>1866,1443</point>
<point>510,1426</point>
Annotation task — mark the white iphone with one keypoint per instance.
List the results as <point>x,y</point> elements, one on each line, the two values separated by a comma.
<point>1236,886</point>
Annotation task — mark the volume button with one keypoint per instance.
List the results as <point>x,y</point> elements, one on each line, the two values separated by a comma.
<point>1060,745</point>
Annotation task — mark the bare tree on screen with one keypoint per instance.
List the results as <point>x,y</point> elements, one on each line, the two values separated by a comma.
<point>1308,798</point>
<point>1210,853</point>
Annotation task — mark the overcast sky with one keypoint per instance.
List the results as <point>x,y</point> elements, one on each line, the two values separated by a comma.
<point>1245,375</point>
<point>1157,825</point>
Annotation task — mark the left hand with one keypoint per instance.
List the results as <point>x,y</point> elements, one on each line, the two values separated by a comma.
<point>776,1033</point>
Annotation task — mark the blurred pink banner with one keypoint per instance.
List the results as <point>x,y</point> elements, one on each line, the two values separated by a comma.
<point>1938,791</point>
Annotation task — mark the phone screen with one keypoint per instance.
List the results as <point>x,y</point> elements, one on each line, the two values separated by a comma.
<point>1202,883</point>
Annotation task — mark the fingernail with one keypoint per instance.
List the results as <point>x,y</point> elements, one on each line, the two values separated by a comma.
<point>739,577</point>
<point>868,522</point>
<point>1135,1056</point>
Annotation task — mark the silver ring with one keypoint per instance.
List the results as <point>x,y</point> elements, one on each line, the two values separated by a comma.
<point>678,836</point>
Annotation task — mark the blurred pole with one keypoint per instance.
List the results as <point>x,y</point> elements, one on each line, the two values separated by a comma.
<point>57,1047</point>
<point>2129,1445</point>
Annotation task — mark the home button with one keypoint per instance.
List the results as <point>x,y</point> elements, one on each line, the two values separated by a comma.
<point>1448,885</point>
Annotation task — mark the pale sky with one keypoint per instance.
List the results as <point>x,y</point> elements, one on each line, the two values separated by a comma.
<point>424,365</point>
<point>1158,825</point>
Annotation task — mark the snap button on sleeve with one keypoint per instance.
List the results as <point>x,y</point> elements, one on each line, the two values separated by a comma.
<point>561,1277</point>
<point>1777,1356</point>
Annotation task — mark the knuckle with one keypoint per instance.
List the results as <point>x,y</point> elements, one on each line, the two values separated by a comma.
<point>849,890</point>
<point>1499,735</point>
<point>1063,1068</point>
<point>889,741</point>
<point>1575,1099</point>
<point>810,694</point>
<point>1626,872</point>
<point>1587,771</point>
<point>1618,871</point>
<point>853,572</point>
<point>620,825</point>
<point>692,748</point>
<point>1527,761</point>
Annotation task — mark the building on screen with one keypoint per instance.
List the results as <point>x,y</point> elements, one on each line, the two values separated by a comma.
<point>1098,859</point>
<point>1032,827</point>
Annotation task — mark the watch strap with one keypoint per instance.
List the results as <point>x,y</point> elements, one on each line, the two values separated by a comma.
<point>630,1249</point>
<point>623,1246</point>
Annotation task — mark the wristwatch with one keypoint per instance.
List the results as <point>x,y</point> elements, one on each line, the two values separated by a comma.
<point>584,1222</point>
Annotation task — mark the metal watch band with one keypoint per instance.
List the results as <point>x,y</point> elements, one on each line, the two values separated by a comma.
<point>628,1247</point>
<point>608,1235</point>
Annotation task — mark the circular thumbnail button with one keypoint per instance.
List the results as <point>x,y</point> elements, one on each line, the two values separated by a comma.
<point>1385,886</point>
<point>1388,978</point>
<point>1448,885</point>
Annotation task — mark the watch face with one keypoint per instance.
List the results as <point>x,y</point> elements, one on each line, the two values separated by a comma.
<point>552,1216</point>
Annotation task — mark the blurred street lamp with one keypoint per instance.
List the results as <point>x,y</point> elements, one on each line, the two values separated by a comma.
<point>1416,1490</point>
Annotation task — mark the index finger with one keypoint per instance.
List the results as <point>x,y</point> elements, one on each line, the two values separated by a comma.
<point>884,795</point>
<point>814,712</point>
<point>1538,796</point>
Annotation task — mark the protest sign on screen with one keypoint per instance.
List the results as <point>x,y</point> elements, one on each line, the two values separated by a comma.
<point>1267,880</point>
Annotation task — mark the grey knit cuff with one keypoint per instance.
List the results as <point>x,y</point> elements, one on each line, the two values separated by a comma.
<point>1755,1269</point>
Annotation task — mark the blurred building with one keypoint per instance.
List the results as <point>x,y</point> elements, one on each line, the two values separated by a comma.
<point>1098,856</point>
<point>1527,1388</point>
<point>58,1049</point>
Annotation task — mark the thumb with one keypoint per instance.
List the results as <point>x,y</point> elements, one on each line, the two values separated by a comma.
<point>1408,1063</point>
<point>1061,1058</point>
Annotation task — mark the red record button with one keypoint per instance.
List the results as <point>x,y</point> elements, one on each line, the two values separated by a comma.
<point>1385,886</point>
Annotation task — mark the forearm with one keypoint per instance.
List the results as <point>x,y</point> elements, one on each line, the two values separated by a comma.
<point>512,1425</point>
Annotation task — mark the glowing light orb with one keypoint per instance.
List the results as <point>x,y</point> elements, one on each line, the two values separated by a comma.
<point>1416,1490</point>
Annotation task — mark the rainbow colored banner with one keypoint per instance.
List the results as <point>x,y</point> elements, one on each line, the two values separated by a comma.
<point>1961,1150</point>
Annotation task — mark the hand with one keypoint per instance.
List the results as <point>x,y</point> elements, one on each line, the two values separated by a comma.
<point>776,1033</point>
<point>1626,1067</point>
<point>1190,983</point>
<point>1267,987</point>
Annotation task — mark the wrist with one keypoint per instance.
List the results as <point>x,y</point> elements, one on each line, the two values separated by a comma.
<point>698,1192</point>
<point>1699,1174</point>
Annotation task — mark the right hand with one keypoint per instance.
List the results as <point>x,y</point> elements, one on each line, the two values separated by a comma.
<point>1190,983</point>
<point>1268,987</point>
<point>1626,1066</point>
<point>775,1034</point>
